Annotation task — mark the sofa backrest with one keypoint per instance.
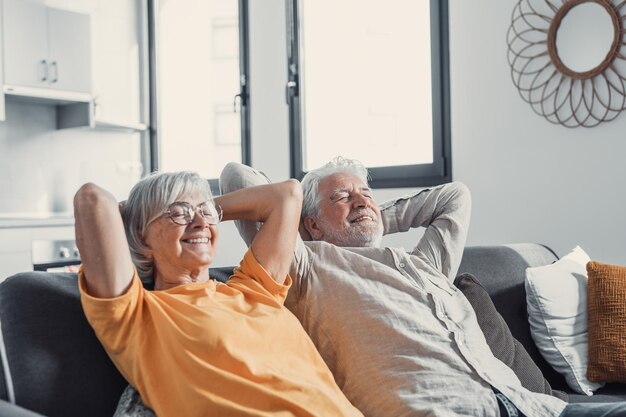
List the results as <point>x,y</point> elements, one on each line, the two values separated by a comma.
<point>56,365</point>
<point>501,270</point>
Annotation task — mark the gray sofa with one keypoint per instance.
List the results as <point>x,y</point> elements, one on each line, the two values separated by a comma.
<point>53,364</point>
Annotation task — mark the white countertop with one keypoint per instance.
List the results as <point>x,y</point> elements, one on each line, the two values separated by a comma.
<point>13,220</point>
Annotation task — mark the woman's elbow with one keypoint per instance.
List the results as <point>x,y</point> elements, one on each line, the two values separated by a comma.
<point>89,195</point>
<point>290,196</point>
<point>293,191</point>
<point>294,188</point>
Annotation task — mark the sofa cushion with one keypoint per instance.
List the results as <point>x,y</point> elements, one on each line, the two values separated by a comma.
<point>611,392</point>
<point>221,273</point>
<point>557,309</point>
<point>131,405</point>
<point>501,270</point>
<point>500,340</point>
<point>607,322</point>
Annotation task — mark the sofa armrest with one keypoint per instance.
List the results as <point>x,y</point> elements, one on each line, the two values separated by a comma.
<point>11,410</point>
<point>57,365</point>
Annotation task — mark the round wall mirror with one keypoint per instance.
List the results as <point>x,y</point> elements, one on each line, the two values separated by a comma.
<point>568,59</point>
<point>584,37</point>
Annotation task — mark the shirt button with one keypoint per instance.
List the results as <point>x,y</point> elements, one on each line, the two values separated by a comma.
<point>401,265</point>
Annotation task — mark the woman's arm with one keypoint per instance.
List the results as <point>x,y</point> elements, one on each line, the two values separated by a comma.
<point>278,207</point>
<point>102,243</point>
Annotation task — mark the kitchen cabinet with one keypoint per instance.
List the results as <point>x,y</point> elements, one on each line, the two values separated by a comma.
<point>119,36</point>
<point>45,48</point>
<point>92,68</point>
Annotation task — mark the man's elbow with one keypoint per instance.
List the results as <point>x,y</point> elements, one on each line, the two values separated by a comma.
<point>231,170</point>
<point>236,176</point>
<point>461,194</point>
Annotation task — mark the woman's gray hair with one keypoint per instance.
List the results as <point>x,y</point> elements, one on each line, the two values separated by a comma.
<point>311,181</point>
<point>147,201</point>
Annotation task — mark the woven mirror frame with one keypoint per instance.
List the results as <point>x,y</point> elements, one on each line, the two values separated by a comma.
<point>554,90</point>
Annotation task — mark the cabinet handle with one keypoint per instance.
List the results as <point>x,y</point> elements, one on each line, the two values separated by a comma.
<point>43,66</point>
<point>55,67</point>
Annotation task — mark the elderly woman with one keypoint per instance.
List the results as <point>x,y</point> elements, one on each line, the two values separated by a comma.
<point>193,346</point>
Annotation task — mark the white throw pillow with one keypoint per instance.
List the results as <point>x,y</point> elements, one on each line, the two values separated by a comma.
<point>556,297</point>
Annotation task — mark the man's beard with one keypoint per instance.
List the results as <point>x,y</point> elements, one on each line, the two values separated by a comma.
<point>364,234</point>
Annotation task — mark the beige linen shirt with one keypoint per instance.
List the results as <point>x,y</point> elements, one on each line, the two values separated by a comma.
<point>399,338</point>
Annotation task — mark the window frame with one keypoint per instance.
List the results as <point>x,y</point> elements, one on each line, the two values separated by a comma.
<point>243,96</point>
<point>435,173</point>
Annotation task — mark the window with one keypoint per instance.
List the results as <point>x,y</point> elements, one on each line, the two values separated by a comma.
<point>369,80</point>
<point>199,85</point>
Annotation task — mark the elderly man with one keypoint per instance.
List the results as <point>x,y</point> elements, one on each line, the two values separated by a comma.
<point>400,339</point>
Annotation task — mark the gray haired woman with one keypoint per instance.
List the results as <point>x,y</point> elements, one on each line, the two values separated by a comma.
<point>193,346</point>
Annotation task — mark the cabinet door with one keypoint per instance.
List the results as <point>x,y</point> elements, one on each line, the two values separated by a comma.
<point>25,44</point>
<point>118,38</point>
<point>69,51</point>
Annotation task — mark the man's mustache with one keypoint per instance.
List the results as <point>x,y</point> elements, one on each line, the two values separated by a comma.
<point>363,212</point>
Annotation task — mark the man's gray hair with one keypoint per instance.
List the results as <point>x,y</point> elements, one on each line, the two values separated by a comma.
<point>147,201</point>
<point>311,181</point>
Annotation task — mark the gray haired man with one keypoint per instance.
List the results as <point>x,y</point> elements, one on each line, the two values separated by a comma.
<point>400,339</point>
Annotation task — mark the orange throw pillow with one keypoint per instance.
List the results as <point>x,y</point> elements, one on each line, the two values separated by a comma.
<point>607,322</point>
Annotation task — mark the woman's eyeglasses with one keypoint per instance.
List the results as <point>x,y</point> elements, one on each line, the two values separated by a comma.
<point>183,213</point>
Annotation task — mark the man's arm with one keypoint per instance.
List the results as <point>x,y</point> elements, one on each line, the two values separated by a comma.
<point>102,243</point>
<point>277,207</point>
<point>235,177</point>
<point>445,213</point>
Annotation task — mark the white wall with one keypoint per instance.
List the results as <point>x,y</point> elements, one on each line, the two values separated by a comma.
<point>530,180</point>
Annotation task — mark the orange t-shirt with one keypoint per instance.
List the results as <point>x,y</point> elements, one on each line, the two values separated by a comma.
<point>213,349</point>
